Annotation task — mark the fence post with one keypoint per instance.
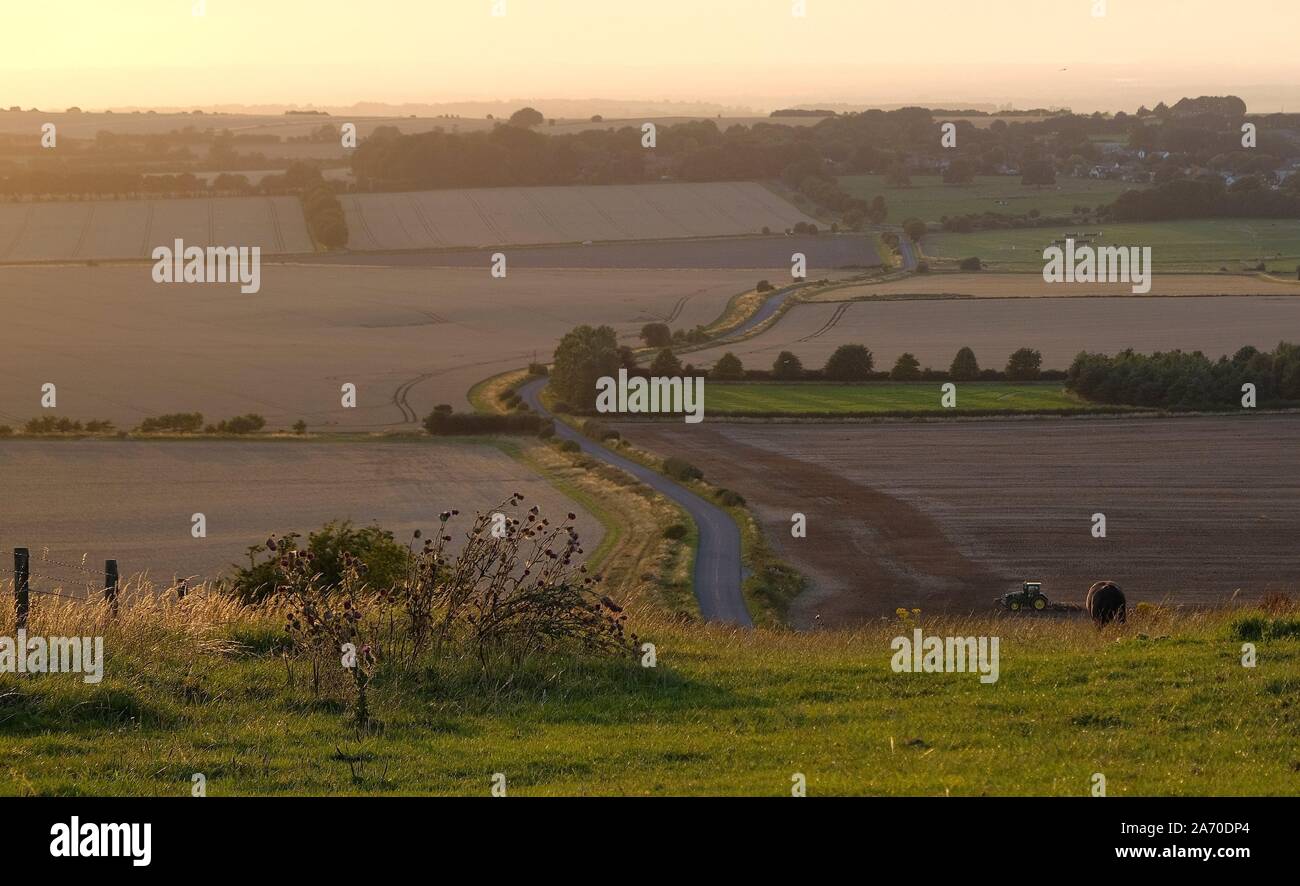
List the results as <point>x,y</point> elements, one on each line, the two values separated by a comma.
<point>110,584</point>
<point>22,585</point>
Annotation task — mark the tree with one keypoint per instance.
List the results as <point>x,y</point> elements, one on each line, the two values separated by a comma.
<point>787,367</point>
<point>656,335</point>
<point>1024,365</point>
<point>964,366</point>
<point>728,368</point>
<point>849,363</point>
<point>906,368</point>
<point>527,118</point>
<point>915,229</point>
<point>582,358</point>
<point>666,363</point>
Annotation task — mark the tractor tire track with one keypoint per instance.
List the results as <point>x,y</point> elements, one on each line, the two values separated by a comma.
<point>831,323</point>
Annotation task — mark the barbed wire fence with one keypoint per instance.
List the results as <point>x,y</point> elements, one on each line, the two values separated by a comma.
<point>45,576</point>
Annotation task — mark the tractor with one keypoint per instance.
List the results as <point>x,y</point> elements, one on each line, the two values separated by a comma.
<point>1030,596</point>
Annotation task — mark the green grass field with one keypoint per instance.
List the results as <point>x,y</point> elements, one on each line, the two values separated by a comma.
<point>886,397</point>
<point>1162,705</point>
<point>1175,246</point>
<point>929,199</point>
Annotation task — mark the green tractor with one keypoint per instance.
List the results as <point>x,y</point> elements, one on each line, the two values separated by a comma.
<point>1030,596</point>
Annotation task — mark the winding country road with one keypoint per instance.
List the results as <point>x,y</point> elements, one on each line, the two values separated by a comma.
<point>717,560</point>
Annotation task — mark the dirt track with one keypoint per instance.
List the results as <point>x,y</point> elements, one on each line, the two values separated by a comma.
<point>946,516</point>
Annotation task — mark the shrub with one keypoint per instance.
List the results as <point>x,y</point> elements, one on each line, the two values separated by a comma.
<point>451,424</point>
<point>6,431</point>
<point>176,422</point>
<point>729,499</point>
<point>1025,364</point>
<point>681,470</point>
<point>763,285</point>
<point>906,368</point>
<point>48,424</point>
<point>538,369</point>
<point>329,549</point>
<point>676,531</point>
<point>728,368</point>
<point>964,366</point>
<point>241,424</point>
<point>849,363</point>
<point>787,367</point>
<point>656,335</point>
<point>666,364</point>
<point>971,264</point>
<point>300,427</point>
<point>570,446</point>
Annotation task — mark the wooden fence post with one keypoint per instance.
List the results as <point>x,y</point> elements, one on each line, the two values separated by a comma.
<point>22,585</point>
<point>110,584</point>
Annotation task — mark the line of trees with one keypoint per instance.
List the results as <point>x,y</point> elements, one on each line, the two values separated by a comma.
<point>1179,380</point>
<point>856,363</point>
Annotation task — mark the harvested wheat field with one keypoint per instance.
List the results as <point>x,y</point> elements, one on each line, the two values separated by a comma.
<point>766,256</point>
<point>1033,286</point>
<point>133,500</point>
<point>934,330</point>
<point>950,515</point>
<point>130,229</point>
<point>521,216</point>
<point>119,346</point>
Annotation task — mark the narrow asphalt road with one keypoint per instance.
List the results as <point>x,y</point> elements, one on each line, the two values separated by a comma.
<point>717,561</point>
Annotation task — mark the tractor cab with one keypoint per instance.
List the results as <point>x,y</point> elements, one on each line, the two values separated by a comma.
<point>1030,596</point>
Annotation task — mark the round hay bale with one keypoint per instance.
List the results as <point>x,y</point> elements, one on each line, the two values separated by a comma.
<point>1105,603</point>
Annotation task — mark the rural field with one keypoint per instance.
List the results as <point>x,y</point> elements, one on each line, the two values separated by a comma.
<point>947,516</point>
<point>768,256</point>
<point>522,216</point>
<point>1201,245</point>
<point>816,398</point>
<point>934,329</point>
<point>132,500</point>
<point>1031,285</point>
<point>129,229</point>
<point>929,199</point>
<point>120,347</point>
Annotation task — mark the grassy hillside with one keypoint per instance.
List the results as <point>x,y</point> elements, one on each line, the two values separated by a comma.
<point>886,397</point>
<point>1160,706</point>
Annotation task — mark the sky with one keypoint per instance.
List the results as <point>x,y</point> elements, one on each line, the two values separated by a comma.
<point>757,53</point>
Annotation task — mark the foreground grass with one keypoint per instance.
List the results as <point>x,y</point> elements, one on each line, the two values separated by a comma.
<point>886,397</point>
<point>1160,706</point>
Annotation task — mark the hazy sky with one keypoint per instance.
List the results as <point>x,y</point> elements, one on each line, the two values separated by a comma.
<point>101,53</point>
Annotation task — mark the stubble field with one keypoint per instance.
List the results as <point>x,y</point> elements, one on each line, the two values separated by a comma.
<point>521,216</point>
<point>934,329</point>
<point>120,347</point>
<point>133,500</point>
<point>130,229</point>
<point>947,516</point>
